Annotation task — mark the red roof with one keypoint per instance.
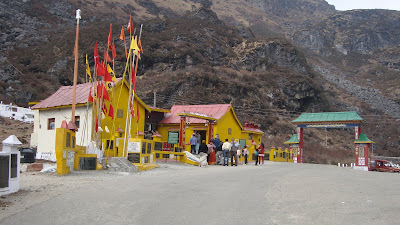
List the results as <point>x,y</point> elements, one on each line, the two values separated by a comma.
<point>63,96</point>
<point>215,111</point>
<point>251,129</point>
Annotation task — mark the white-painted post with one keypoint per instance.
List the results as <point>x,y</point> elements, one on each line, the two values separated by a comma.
<point>10,150</point>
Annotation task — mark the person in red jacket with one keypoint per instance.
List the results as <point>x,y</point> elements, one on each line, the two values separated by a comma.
<point>261,152</point>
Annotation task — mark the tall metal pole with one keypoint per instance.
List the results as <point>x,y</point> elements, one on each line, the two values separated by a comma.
<point>78,17</point>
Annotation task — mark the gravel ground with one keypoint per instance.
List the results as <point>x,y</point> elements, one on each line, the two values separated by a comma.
<point>275,193</point>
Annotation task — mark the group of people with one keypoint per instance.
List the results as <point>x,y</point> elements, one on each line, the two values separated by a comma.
<point>229,149</point>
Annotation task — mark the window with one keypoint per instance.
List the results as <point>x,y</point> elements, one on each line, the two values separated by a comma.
<point>14,166</point>
<point>361,152</point>
<point>4,170</point>
<point>68,140</point>
<point>77,121</point>
<point>51,124</point>
<point>120,113</point>
<point>250,136</point>
<point>229,130</point>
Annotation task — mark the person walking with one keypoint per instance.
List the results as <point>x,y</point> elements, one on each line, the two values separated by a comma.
<point>234,148</point>
<point>261,152</point>
<point>198,138</point>
<point>245,154</point>
<point>256,154</point>
<point>193,142</point>
<point>226,147</point>
<point>211,159</point>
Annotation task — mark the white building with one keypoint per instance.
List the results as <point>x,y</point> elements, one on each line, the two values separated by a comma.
<point>50,113</point>
<point>16,113</point>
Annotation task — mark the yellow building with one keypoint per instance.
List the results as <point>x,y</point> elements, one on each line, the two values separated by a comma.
<point>50,113</point>
<point>220,117</point>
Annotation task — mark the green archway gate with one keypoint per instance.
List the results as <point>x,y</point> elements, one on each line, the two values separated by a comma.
<point>331,120</point>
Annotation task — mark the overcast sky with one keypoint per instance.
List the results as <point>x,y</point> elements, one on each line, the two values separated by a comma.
<point>365,4</point>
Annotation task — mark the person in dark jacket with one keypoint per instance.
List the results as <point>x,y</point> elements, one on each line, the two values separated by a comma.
<point>203,147</point>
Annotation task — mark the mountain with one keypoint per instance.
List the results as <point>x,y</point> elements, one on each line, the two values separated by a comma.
<point>273,59</point>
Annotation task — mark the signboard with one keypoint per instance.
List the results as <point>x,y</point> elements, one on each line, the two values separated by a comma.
<point>242,143</point>
<point>134,146</point>
<point>173,137</point>
<point>70,159</point>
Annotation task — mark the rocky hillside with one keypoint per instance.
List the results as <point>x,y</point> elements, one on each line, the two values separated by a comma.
<point>272,59</point>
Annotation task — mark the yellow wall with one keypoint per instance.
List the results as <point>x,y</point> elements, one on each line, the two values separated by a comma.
<point>228,121</point>
<point>61,150</point>
<point>278,156</point>
<point>64,136</point>
<point>119,97</point>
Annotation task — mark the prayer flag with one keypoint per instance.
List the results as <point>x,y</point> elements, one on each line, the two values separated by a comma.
<point>101,69</point>
<point>90,98</point>
<point>130,25</point>
<point>140,46</point>
<point>122,35</point>
<point>111,72</point>
<point>114,53</point>
<point>109,38</point>
<point>106,56</point>
<point>88,70</point>
<point>111,112</point>
<point>96,126</point>
<point>135,47</point>
<point>102,91</point>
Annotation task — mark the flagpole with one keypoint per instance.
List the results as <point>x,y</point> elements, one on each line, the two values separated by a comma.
<point>137,62</point>
<point>78,17</point>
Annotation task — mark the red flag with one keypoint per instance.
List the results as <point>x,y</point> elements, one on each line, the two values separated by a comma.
<point>133,77</point>
<point>107,77</point>
<point>114,53</point>
<point>140,46</point>
<point>106,56</point>
<point>137,111</point>
<point>130,25</point>
<point>96,54</point>
<point>90,98</point>
<point>102,70</point>
<point>109,38</point>
<point>96,126</point>
<point>111,112</point>
<point>102,91</point>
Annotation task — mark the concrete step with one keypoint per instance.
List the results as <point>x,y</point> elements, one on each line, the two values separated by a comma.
<point>120,164</point>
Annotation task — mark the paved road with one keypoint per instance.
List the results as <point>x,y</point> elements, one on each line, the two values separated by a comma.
<point>275,193</point>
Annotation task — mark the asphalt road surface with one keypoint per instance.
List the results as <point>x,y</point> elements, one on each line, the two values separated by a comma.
<point>275,193</point>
